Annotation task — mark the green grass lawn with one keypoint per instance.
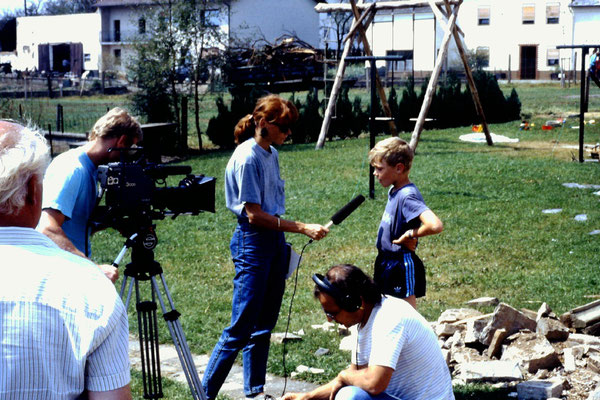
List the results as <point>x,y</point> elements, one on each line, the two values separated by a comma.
<point>496,242</point>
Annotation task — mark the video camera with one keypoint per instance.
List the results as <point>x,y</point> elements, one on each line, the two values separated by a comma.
<point>136,193</point>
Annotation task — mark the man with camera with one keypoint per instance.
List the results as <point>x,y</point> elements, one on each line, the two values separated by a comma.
<point>70,184</point>
<point>397,355</point>
<point>58,338</point>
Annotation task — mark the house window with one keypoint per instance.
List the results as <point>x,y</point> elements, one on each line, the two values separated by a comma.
<point>117,30</point>
<point>528,14</point>
<point>552,57</point>
<point>87,57</point>
<point>142,26</point>
<point>210,18</point>
<point>117,55</point>
<point>552,13</point>
<point>26,49</point>
<point>482,55</point>
<point>483,16</point>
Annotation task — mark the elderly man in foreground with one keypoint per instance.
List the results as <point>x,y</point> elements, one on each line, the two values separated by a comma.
<point>397,355</point>
<point>63,328</point>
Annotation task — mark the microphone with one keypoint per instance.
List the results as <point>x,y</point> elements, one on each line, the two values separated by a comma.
<point>345,211</point>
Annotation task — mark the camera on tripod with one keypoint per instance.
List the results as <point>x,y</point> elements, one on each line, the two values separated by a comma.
<point>137,192</point>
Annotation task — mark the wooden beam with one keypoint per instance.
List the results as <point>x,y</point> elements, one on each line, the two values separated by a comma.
<point>441,16</point>
<point>471,83</point>
<point>414,140</point>
<point>380,90</point>
<point>384,5</point>
<point>358,22</point>
<point>337,84</point>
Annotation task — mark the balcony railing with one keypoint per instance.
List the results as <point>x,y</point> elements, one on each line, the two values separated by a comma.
<point>120,36</point>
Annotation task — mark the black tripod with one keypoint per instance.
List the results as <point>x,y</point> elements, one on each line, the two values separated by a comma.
<point>143,267</point>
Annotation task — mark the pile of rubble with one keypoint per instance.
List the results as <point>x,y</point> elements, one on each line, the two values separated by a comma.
<point>534,355</point>
<point>289,58</point>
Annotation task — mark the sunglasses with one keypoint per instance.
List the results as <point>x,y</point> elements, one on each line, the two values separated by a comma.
<point>331,315</point>
<point>284,128</point>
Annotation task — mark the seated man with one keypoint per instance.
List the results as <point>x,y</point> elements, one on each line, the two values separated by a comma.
<point>63,328</point>
<point>397,355</point>
<point>70,185</point>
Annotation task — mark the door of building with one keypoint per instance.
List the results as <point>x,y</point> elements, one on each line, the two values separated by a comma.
<point>528,66</point>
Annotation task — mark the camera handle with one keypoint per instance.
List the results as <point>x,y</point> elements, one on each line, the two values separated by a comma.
<point>143,267</point>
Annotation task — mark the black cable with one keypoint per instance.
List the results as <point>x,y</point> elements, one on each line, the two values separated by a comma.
<point>287,327</point>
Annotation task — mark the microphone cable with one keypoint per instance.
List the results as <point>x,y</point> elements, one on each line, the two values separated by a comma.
<point>289,317</point>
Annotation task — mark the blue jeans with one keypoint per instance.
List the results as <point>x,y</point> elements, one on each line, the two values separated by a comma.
<point>356,393</point>
<point>260,262</point>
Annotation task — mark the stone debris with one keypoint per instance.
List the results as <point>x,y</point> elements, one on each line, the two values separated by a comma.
<point>281,337</point>
<point>552,211</point>
<point>539,390</point>
<point>484,301</point>
<point>321,351</point>
<point>535,354</point>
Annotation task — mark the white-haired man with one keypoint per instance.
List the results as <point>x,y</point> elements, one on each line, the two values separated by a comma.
<point>63,328</point>
<point>70,185</point>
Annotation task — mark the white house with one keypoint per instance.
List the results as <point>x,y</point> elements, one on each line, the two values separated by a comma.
<point>59,43</point>
<point>516,37</point>
<point>246,21</point>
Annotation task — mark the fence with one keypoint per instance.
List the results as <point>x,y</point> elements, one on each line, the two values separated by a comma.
<point>21,86</point>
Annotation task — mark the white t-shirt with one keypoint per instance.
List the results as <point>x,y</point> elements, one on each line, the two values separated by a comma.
<point>398,337</point>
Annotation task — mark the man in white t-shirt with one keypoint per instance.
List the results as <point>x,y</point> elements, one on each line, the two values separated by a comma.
<point>397,355</point>
<point>63,328</point>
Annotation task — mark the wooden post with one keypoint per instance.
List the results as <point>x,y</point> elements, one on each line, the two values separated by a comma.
<point>337,84</point>
<point>414,140</point>
<point>509,70</point>
<point>368,52</point>
<point>472,87</point>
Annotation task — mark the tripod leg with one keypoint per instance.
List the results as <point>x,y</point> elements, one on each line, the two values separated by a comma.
<point>148,332</point>
<point>123,285</point>
<point>178,336</point>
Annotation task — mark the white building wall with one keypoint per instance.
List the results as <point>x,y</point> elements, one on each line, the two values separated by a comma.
<point>504,36</point>
<point>506,32</point>
<point>252,20</point>
<point>72,28</point>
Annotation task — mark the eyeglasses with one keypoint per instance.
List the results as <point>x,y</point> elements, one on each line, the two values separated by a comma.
<point>331,315</point>
<point>284,128</point>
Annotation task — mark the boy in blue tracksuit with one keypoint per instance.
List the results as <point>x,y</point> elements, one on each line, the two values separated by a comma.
<point>398,270</point>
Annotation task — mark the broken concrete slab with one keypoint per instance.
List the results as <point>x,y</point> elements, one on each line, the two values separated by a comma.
<point>581,338</point>
<point>490,371</point>
<point>483,302</point>
<point>474,331</point>
<point>508,318</point>
<point>495,348</point>
<point>552,329</point>
<point>569,360</point>
<point>533,351</point>
<point>281,337</point>
<point>539,389</point>
<point>545,312</point>
<point>585,315</point>
<point>447,330</point>
<point>593,330</point>
<point>457,314</point>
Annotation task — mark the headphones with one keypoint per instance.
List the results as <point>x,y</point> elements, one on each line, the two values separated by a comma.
<point>346,301</point>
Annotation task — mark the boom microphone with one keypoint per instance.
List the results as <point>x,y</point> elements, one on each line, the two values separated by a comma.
<point>348,209</point>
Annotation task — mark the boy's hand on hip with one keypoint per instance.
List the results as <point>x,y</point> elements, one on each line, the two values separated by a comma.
<point>406,241</point>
